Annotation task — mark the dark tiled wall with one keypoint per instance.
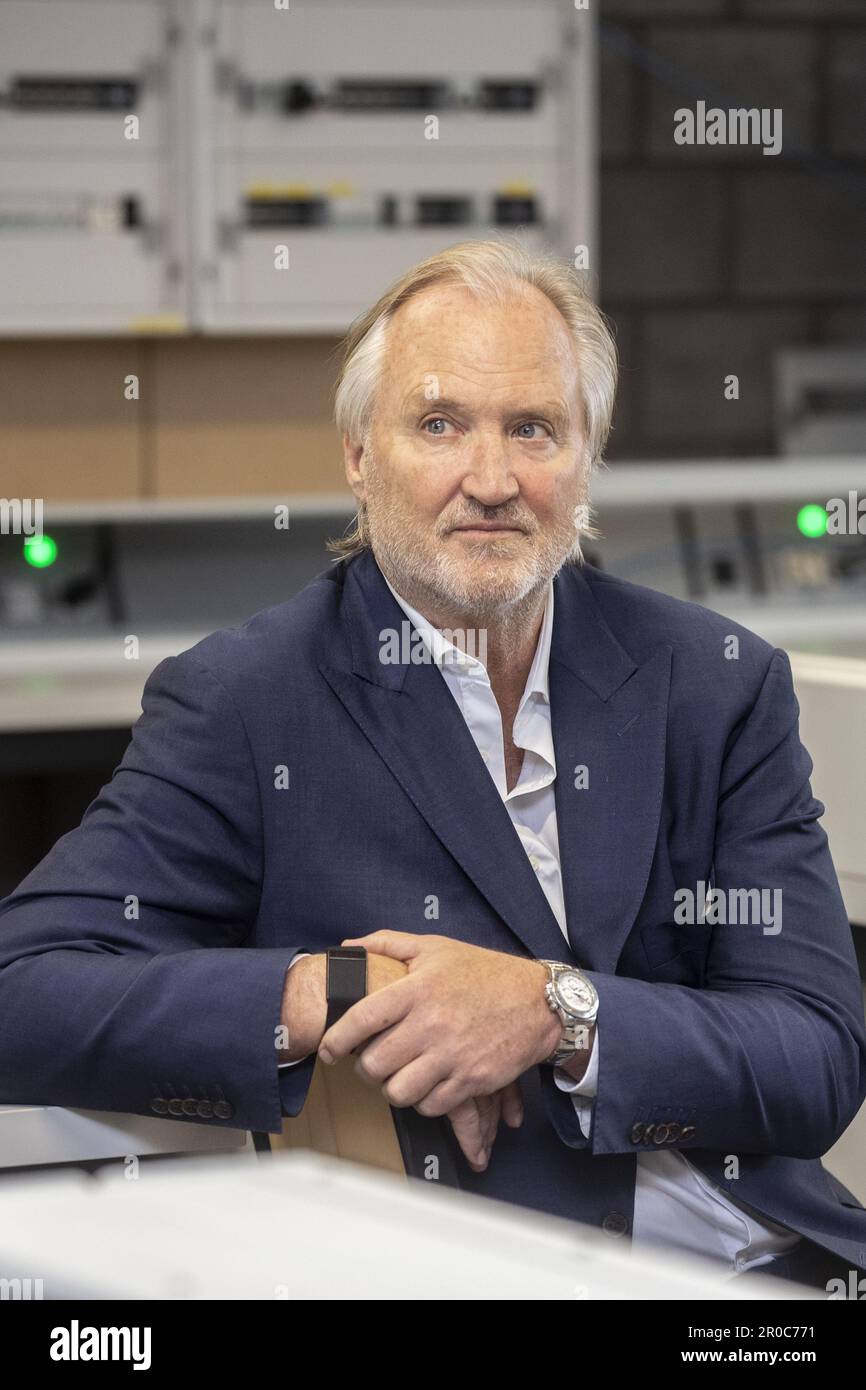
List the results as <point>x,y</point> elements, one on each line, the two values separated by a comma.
<point>713,257</point>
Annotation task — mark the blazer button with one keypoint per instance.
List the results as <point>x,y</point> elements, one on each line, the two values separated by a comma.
<point>190,1106</point>
<point>673,1132</point>
<point>205,1109</point>
<point>661,1134</point>
<point>223,1110</point>
<point>687,1132</point>
<point>637,1133</point>
<point>614,1224</point>
<point>175,1107</point>
<point>159,1105</point>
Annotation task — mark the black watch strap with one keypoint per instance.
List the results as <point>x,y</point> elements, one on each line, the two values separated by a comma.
<point>347,980</point>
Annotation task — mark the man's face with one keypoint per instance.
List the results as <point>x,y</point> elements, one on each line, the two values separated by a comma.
<point>474,468</point>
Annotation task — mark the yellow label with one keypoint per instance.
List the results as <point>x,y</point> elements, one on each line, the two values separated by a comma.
<point>158,323</point>
<point>279,190</point>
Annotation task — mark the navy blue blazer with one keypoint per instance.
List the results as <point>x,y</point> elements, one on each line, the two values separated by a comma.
<point>142,961</point>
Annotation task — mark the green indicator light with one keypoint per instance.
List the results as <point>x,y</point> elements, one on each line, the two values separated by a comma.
<point>812,520</point>
<point>40,551</point>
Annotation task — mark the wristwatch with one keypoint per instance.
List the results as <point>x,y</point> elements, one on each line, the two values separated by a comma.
<point>347,980</point>
<point>571,995</point>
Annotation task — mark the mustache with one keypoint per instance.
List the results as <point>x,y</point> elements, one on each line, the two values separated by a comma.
<point>501,517</point>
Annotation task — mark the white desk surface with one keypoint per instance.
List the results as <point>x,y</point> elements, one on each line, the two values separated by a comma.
<point>300,1226</point>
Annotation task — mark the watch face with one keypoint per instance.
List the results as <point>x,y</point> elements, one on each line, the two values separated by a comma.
<point>576,993</point>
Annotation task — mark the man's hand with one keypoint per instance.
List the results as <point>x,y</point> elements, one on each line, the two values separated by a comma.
<point>462,1024</point>
<point>476,1121</point>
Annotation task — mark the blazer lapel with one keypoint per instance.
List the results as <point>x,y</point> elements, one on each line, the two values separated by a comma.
<point>410,717</point>
<point>609,725</point>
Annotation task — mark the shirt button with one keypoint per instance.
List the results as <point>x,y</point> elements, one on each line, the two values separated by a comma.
<point>534,862</point>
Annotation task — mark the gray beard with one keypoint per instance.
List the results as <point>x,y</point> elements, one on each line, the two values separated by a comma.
<point>503,605</point>
<point>501,602</point>
<point>437,582</point>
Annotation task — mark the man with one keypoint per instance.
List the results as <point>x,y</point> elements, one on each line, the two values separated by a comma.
<point>545,788</point>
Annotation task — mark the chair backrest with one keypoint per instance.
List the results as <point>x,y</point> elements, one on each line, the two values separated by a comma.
<point>345,1117</point>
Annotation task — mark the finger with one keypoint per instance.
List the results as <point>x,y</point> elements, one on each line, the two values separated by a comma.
<point>444,1097</point>
<point>512,1104</point>
<point>399,945</point>
<point>491,1117</point>
<point>488,1118</point>
<point>487,1111</point>
<point>370,1015</point>
<point>384,1055</point>
<point>465,1122</point>
<point>415,1080</point>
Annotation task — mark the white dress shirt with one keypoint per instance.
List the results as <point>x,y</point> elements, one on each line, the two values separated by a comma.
<point>675,1205</point>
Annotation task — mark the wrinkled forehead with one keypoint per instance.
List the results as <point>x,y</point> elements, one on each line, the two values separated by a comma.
<point>451,334</point>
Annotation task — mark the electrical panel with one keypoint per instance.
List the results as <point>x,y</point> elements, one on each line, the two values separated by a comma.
<point>353,140</point>
<point>756,560</point>
<point>781,547</point>
<point>242,166</point>
<point>90,224</point>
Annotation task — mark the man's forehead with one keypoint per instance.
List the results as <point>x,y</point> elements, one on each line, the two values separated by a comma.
<point>459,363</point>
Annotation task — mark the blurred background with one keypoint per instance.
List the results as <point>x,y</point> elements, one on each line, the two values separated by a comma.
<point>197,197</point>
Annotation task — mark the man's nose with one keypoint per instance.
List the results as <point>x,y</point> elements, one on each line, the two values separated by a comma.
<point>490,476</point>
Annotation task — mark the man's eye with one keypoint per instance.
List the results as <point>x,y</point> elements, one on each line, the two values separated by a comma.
<point>531,425</point>
<point>439,422</point>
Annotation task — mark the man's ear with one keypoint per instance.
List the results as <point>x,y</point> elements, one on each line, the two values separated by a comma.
<point>353,459</point>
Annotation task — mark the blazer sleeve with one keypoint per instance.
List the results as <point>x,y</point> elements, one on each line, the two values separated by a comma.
<point>125,977</point>
<point>769,1057</point>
